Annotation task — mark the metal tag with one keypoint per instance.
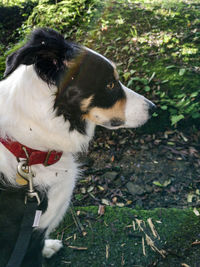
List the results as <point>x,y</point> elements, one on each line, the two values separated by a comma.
<point>38,214</point>
<point>20,180</point>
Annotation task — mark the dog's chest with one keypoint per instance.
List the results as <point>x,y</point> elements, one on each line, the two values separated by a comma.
<point>60,183</point>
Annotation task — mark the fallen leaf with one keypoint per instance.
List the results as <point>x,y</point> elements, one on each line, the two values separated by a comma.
<point>101,210</point>
<point>105,201</point>
<point>190,197</point>
<point>165,184</point>
<point>114,200</point>
<point>121,205</point>
<point>90,189</point>
<point>196,212</point>
<point>101,188</point>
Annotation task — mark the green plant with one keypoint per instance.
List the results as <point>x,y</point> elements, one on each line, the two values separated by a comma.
<point>155,43</point>
<point>64,16</point>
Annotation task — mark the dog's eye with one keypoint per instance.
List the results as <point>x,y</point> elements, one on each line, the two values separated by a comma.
<point>110,85</point>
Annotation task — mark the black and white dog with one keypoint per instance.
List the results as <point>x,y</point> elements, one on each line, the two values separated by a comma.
<point>53,95</point>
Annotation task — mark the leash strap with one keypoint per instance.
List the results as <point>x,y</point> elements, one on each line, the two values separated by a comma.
<point>24,236</point>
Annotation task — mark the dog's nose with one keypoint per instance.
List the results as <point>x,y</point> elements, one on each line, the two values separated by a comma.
<point>152,108</point>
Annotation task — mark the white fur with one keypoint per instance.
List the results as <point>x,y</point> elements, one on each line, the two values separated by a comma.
<point>51,246</point>
<point>27,115</point>
<point>136,110</point>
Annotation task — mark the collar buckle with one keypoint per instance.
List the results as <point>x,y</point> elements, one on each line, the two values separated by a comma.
<point>47,158</point>
<point>25,172</point>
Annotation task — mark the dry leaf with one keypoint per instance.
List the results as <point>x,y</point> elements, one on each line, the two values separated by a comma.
<point>101,210</point>
<point>105,201</point>
<point>196,212</point>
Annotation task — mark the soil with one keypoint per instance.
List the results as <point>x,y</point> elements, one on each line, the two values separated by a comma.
<point>137,170</point>
<point>145,172</point>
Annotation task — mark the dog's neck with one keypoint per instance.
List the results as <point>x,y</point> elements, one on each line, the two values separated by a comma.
<point>27,114</point>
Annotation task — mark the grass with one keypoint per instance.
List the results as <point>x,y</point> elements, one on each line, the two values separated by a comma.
<point>115,238</point>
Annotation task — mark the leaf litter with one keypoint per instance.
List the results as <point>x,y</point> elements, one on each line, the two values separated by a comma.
<point>128,169</point>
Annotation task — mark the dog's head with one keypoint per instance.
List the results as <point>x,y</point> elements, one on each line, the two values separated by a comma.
<point>88,86</point>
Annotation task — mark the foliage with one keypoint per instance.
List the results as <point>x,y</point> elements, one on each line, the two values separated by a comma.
<point>3,58</point>
<point>157,48</point>
<point>64,16</point>
<point>155,44</point>
<point>18,11</point>
<point>19,3</point>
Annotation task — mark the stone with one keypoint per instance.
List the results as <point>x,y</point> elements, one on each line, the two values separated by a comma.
<point>110,175</point>
<point>135,189</point>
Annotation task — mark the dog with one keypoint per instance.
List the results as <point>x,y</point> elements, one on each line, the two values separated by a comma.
<point>53,94</point>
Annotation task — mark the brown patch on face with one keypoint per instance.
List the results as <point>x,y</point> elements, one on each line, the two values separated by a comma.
<point>102,116</point>
<point>85,103</point>
<point>73,68</point>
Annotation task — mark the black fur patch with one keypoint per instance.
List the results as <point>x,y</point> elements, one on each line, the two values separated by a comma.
<point>47,50</point>
<point>77,72</point>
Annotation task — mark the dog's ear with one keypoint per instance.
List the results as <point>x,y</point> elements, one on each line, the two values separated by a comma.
<point>46,49</point>
<point>22,56</point>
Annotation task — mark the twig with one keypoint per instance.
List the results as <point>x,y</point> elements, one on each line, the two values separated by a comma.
<point>153,228</point>
<point>107,251</point>
<point>77,248</point>
<point>143,247</point>
<point>149,241</point>
<point>76,219</point>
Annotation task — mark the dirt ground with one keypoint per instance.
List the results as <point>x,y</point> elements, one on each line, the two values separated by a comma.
<point>132,169</point>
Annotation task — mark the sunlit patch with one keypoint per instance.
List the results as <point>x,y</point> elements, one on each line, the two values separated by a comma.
<point>105,116</point>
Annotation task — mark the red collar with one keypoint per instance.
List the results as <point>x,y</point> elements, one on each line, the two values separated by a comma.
<point>35,156</point>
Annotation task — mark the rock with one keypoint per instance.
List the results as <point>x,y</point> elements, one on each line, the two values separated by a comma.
<point>148,188</point>
<point>110,175</point>
<point>135,189</point>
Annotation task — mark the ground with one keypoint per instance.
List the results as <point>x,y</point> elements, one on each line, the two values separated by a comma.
<point>127,237</point>
<point>140,170</point>
<point>130,177</point>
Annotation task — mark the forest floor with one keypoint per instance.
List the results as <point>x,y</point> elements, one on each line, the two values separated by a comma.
<point>128,169</point>
<point>129,180</point>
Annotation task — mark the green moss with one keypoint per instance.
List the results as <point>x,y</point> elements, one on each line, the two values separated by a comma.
<point>113,232</point>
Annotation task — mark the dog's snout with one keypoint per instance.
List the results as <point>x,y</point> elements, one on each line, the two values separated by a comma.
<point>152,108</point>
